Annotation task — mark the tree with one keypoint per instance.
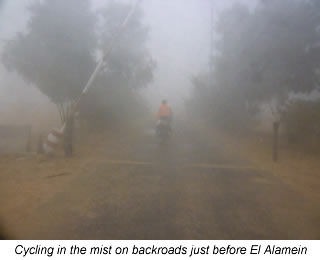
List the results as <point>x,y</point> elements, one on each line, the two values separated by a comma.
<point>129,67</point>
<point>264,55</point>
<point>56,52</point>
<point>129,56</point>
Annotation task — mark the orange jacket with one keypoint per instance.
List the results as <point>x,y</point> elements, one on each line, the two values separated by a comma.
<point>164,111</point>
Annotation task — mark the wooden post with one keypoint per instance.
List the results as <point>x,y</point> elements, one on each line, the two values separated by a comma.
<point>40,145</point>
<point>28,145</point>
<point>68,137</point>
<point>275,140</point>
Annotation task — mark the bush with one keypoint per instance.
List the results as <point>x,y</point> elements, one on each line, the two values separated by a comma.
<point>112,104</point>
<point>301,121</point>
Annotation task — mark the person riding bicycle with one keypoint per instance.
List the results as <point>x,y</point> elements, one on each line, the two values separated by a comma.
<point>165,114</point>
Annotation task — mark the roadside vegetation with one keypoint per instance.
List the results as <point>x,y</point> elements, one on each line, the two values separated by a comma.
<point>264,57</point>
<point>59,55</point>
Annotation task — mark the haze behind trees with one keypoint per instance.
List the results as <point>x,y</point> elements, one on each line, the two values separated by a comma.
<point>178,39</point>
<point>262,56</point>
<point>58,55</point>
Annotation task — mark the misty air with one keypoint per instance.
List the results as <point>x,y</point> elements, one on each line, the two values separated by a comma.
<point>160,119</point>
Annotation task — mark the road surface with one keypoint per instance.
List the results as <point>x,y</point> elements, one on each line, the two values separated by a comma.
<point>184,189</point>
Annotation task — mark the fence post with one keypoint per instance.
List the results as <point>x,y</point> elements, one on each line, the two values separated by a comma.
<point>68,137</point>
<point>276,125</point>
<point>28,145</point>
<point>40,145</point>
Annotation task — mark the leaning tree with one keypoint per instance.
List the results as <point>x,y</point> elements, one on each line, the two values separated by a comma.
<point>56,51</point>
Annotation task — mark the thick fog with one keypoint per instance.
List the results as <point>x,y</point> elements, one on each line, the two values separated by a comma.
<point>180,43</point>
<point>159,119</point>
<point>179,40</point>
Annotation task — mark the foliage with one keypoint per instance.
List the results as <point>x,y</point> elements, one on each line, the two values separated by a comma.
<point>129,56</point>
<point>301,120</point>
<point>59,50</point>
<point>112,102</point>
<point>129,67</point>
<point>56,53</point>
<point>262,55</point>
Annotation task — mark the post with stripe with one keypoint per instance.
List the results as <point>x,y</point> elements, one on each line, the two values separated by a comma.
<point>57,135</point>
<point>54,139</point>
<point>68,136</point>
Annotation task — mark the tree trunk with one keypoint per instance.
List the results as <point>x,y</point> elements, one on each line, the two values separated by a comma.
<point>68,136</point>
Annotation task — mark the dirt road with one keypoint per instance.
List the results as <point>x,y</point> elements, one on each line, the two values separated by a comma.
<point>184,189</point>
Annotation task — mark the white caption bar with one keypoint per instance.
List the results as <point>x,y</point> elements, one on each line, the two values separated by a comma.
<point>184,249</point>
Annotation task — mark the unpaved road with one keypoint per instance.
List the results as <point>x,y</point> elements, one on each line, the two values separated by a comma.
<point>184,189</point>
